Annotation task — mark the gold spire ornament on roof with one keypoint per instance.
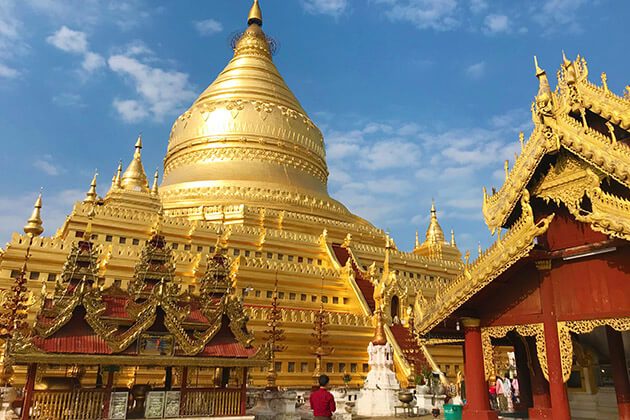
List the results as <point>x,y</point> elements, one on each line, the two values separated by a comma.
<point>435,234</point>
<point>34,225</point>
<point>255,15</point>
<point>91,195</point>
<point>134,177</point>
<point>156,178</point>
<point>453,243</point>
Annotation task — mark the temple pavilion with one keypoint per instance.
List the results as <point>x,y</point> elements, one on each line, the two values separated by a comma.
<point>245,169</point>
<point>556,283</point>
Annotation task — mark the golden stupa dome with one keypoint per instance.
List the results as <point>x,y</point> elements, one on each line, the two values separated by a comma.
<point>246,140</point>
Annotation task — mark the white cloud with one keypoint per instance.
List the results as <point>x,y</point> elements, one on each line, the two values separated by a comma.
<point>478,6</point>
<point>46,165</point>
<point>333,8</point>
<point>130,111</point>
<point>75,42</point>
<point>208,27</point>
<point>476,70</point>
<point>161,92</point>
<point>497,23</point>
<point>69,41</point>
<point>561,15</point>
<point>424,14</point>
<point>392,153</point>
<point>92,62</point>
<point>8,72</point>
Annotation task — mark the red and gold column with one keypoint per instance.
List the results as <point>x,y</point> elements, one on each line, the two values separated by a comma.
<point>477,403</point>
<point>29,389</point>
<point>620,372</point>
<point>557,388</point>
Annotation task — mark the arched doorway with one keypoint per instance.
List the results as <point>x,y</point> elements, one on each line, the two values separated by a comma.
<point>395,308</point>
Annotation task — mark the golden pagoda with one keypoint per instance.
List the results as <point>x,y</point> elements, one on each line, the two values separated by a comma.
<point>245,174</point>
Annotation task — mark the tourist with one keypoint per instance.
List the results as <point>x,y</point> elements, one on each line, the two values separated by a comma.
<point>501,398</point>
<point>322,401</point>
<point>493,395</point>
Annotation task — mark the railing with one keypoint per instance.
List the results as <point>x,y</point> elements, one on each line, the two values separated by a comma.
<point>68,405</point>
<point>211,402</point>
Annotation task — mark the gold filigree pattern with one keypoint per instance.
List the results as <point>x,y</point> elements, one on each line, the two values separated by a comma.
<point>586,326</point>
<point>566,350</point>
<point>530,330</point>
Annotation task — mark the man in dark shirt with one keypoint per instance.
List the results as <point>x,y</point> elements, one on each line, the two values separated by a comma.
<point>322,401</point>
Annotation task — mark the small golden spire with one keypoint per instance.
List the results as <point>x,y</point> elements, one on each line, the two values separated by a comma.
<point>521,139</point>
<point>453,244</point>
<point>156,178</point>
<point>91,195</point>
<point>255,15</point>
<point>34,224</point>
<point>605,81</point>
<point>435,234</point>
<point>379,332</point>
<point>417,240</point>
<point>539,71</point>
<point>565,61</point>
<point>116,179</point>
<point>134,177</point>
<point>506,167</point>
<point>479,250</point>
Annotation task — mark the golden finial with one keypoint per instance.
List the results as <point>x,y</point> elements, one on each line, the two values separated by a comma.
<point>255,15</point>
<point>379,332</point>
<point>565,61</point>
<point>435,234</point>
<point>479,250</point>
<point>539,71</point>
<point>521,139</point>
<point>156,178</point>
<point>453,244</point>
<point>485,194</point>
<point>506,166</point>
<point>91,195</point>
<point>34,224</point>
<point>605,81</point>
<point>116,179</point>
<point>611,131</point>
<point>134,177</point>
<point>417,240</point>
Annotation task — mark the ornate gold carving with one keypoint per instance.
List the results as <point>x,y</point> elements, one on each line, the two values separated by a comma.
<point>586,326</point>
<point>543,265</point>
<point>566,350</point>
<point>530,330</point>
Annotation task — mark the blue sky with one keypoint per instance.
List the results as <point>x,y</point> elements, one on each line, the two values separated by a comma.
<point>416,98</point>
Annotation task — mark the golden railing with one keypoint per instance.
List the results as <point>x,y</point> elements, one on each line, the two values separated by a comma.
<point>68,405</point>
<point>211,402</point>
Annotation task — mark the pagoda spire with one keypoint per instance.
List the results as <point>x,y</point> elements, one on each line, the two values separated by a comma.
<point>91,195</point>
<point>116,178</point>
<point>417,239</point>
<point>544,88</point>
<point>453,243</point>
<point>34,225</point>
<point>435,234</point>
<point>134,177</point>
<point>255,15</point>
<point>156,178</point>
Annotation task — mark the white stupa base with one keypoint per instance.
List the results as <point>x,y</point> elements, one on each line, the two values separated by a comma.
<point>377,402</point>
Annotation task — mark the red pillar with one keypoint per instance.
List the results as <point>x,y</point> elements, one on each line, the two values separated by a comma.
<point>620,372</point>
<point>557,388</point>
<point>540,389</point>
<point>108,392</point>
<point>29,388</point>
<point>477,404</point>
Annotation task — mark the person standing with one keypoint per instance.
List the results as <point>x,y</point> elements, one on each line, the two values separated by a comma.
<point>322,401</point>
